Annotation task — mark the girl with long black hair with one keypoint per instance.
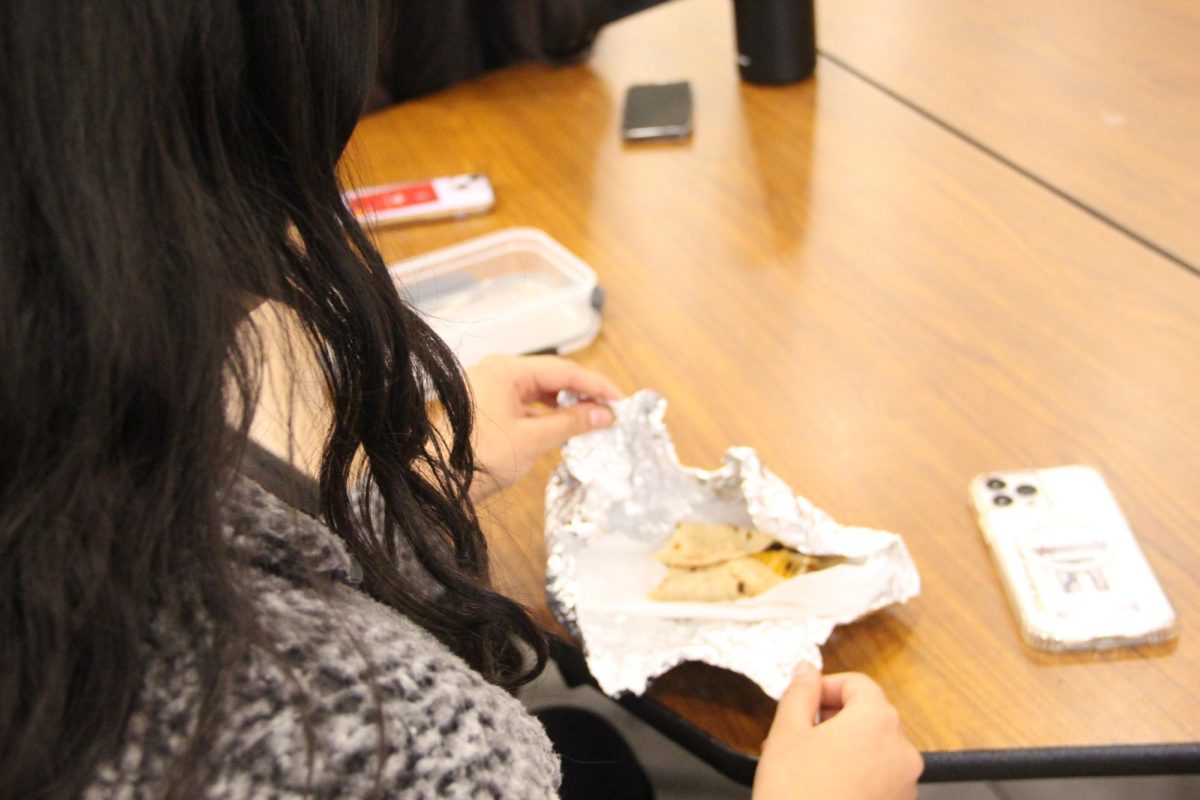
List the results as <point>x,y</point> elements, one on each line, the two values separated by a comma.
<point>167,627</point>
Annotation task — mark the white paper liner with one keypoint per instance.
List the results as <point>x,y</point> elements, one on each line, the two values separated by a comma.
<point>617,496</point>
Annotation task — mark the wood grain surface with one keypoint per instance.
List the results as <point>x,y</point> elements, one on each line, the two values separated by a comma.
<point>883,311</point>
<point>1099,98</point>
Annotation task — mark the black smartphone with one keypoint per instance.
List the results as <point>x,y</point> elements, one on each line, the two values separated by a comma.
<point>657,111</point>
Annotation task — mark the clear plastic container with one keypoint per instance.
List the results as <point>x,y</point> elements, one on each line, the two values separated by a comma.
<point>515,291</point>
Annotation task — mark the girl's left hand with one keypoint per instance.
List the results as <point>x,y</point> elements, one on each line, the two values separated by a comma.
<point>517,418</point>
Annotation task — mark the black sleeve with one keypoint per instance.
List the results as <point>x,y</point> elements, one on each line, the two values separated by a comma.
<point>427,45</point>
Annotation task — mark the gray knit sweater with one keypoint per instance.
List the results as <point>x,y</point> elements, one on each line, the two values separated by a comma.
<point>446,732</point>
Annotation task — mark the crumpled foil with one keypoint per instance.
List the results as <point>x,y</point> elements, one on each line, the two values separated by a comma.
<point>617,496</point>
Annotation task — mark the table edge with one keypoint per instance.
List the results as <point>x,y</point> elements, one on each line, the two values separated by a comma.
<point>1092,761</point>
<point>1099,761</point>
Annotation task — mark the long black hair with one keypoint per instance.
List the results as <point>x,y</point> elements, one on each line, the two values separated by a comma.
<point>161,161</point>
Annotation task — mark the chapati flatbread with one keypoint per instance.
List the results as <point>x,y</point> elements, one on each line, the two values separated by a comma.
<point>700,570</point>
<point>745,576</point>
<point>698,544</point>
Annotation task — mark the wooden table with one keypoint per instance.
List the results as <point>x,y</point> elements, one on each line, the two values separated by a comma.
<point>1099,99</point>
<point>883,310</point>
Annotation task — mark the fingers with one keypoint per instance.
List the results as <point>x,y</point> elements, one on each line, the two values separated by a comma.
<point>844,688</point>
<point>552,429</point>
<point>546,376</point>
<point>827,760</point>
<point>800,703</point>
<point>863,699</point>
<point>518,419</point>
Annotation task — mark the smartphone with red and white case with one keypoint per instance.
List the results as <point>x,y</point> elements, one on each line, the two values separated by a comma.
<point>437,198</point>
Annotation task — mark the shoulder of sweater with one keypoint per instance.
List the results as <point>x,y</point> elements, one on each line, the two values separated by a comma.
<point>351,695</point>
<point>268,534</point>
<point>384,701</point>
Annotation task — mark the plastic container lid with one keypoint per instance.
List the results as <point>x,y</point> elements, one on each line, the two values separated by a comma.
<point>516,291</point>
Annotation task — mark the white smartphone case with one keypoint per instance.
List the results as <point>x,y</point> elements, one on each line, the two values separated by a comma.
<point>1070,564</point>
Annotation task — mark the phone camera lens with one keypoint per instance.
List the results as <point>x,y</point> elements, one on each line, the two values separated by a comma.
<point>995,483</point>
<point>1026,489</point>
<point>1002,500</point>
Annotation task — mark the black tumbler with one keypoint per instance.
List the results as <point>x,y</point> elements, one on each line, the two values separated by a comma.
<point>776,40</point>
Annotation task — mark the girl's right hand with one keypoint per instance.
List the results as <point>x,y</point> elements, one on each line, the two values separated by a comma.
<point>857,751</point>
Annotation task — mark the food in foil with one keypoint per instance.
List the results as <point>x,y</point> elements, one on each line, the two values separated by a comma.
<point>617,500</point>
<point>715,562</point>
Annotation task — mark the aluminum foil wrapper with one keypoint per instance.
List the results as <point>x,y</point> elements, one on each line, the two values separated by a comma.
<point>616,498</point>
